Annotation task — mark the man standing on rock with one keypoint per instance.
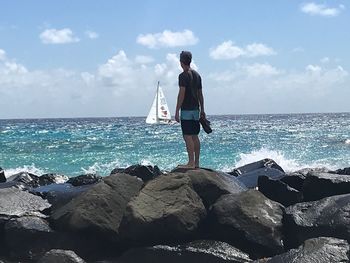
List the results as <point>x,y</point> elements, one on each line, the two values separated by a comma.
<point>190,101</point>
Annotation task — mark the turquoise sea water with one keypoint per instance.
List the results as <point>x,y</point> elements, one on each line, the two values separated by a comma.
<point>76,146</point>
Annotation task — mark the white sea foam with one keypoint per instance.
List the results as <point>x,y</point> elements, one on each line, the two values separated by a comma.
<point>102,168</point>
<point>347,141</point>
<point>26,168</point>
<point>289,165</point>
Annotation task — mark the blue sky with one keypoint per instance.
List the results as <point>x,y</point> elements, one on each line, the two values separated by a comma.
<point>89,58</point>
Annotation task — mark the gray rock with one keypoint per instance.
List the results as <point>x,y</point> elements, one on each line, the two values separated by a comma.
<point>167,208</point>
<point>61,256</point>
<point>28,179</point>
<point>28,236</point>
<point>146,173</point>
<point>342,171</point>
<point>327,217</point>
<point>294,180</point>
<point>2,176</point>
<point>265,163</point>
<point>248,221</point>
<point>17,203</point>
<point>250,179</point>
<point>320,250</point>
<point>204,251</point>
<point>99,210</point>
<point>210,185</point>
<point>279,191</point>
<point>52,178</point>
<point>319,185</point>
<point>84,179</point>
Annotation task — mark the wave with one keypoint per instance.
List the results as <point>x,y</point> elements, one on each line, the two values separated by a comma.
<point>26,168</point>
<point>288,165</point>
<point>347,141</point>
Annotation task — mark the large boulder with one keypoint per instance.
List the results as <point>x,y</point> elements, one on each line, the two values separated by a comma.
<point>279,191</point>
<point>17,203</point>
<point>52,178</point>
<point>166,209</point>
<point>326,217</point>
<point>320,250</point>
<point>294,180</point>
<point>210,185</point>
<point>265,163</point>
<point>2,176</point>
<point>248,221</point>
<point>319,185</point>
<point>28,179</point>
<point>143,172</point>
<point>60,256</point>
<point>204,251</point>
<point>29,236</point>
<point>342,171</point>
<point>99,210</point>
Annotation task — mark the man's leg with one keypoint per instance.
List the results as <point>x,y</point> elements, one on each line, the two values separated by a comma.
<point>190,150</point>
<point>197,149</point>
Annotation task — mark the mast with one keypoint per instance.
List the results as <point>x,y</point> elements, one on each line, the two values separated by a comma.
<point>157,119</point>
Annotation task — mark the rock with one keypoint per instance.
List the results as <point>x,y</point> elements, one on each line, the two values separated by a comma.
<point>17,203</point>
<point>319,185</point>
<point>265,163</point>
<point>145,173</point>
<point>166,209</point>
<point>342,171</point>
<point>60,256</point>
<point>59,194</point>
<point>279,191</point>
<point>2,176</point>
<point>98,211</point>
<point>84,179</point>
<point>28,236</point>
<point>210,185</point>
<point>294,180</point>
<point>327,217</point>
<point>12,184</point>
<point>320,250</point>
<point>250,179</point>
<point>28,179</point>
<point>204,251</point>
<point>248,221</point>
<point>47,179</point>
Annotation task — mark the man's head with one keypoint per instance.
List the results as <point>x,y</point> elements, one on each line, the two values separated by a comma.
<point>186,57</point>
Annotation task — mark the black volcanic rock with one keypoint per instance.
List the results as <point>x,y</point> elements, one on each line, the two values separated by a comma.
<point>248,221</point>
<point>265,163</point>
<point>143,172</point>
<point>250,179</point>
<point>279,191</point>
<point>204,251</point>
<point>319,185</point>
<point>28,179</point>
<point>327,217</point>
<point>60,256</point>
<point>2,176</point>
<point>320,250</point>
<point>84,179</point>
<point>342,171</point>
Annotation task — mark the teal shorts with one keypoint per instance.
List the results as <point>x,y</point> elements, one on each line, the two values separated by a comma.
<point>190,115</point>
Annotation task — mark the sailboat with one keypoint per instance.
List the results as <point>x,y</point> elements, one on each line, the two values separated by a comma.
<point>159,113</point>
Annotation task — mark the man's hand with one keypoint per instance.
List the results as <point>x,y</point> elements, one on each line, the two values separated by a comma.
<point>177,116</point>
<point>203,115</point>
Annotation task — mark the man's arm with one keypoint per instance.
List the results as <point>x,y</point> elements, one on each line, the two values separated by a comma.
<point>180,99</point>
<point>201,102</point>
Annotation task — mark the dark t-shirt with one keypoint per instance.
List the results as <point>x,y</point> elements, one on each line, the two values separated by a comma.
<point>192,81</point>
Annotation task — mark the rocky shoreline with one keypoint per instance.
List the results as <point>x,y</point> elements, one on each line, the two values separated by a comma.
<point>255,213</point>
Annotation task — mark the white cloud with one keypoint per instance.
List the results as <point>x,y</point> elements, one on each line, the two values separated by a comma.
<point>313,69</point>
<point>261,70</point>
<point>2,54</point>
<point>321,10</point>
<point>325,60</point>
<point>144,59</point>
<point>168,39</point>
<point>54,36</point>
<point>227,50</point>
<point>91,34</point>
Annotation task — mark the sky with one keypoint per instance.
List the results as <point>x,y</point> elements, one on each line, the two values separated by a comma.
<point>84,58</point>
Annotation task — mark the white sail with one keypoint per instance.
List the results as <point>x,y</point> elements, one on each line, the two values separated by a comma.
<point>159,112</point>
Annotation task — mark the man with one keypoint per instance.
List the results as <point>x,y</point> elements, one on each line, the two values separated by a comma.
<point>190,101</point>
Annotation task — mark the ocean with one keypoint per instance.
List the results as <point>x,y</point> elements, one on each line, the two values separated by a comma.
<point>97,145</point>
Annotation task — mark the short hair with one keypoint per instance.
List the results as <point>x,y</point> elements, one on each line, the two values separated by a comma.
<point>186,57</point>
